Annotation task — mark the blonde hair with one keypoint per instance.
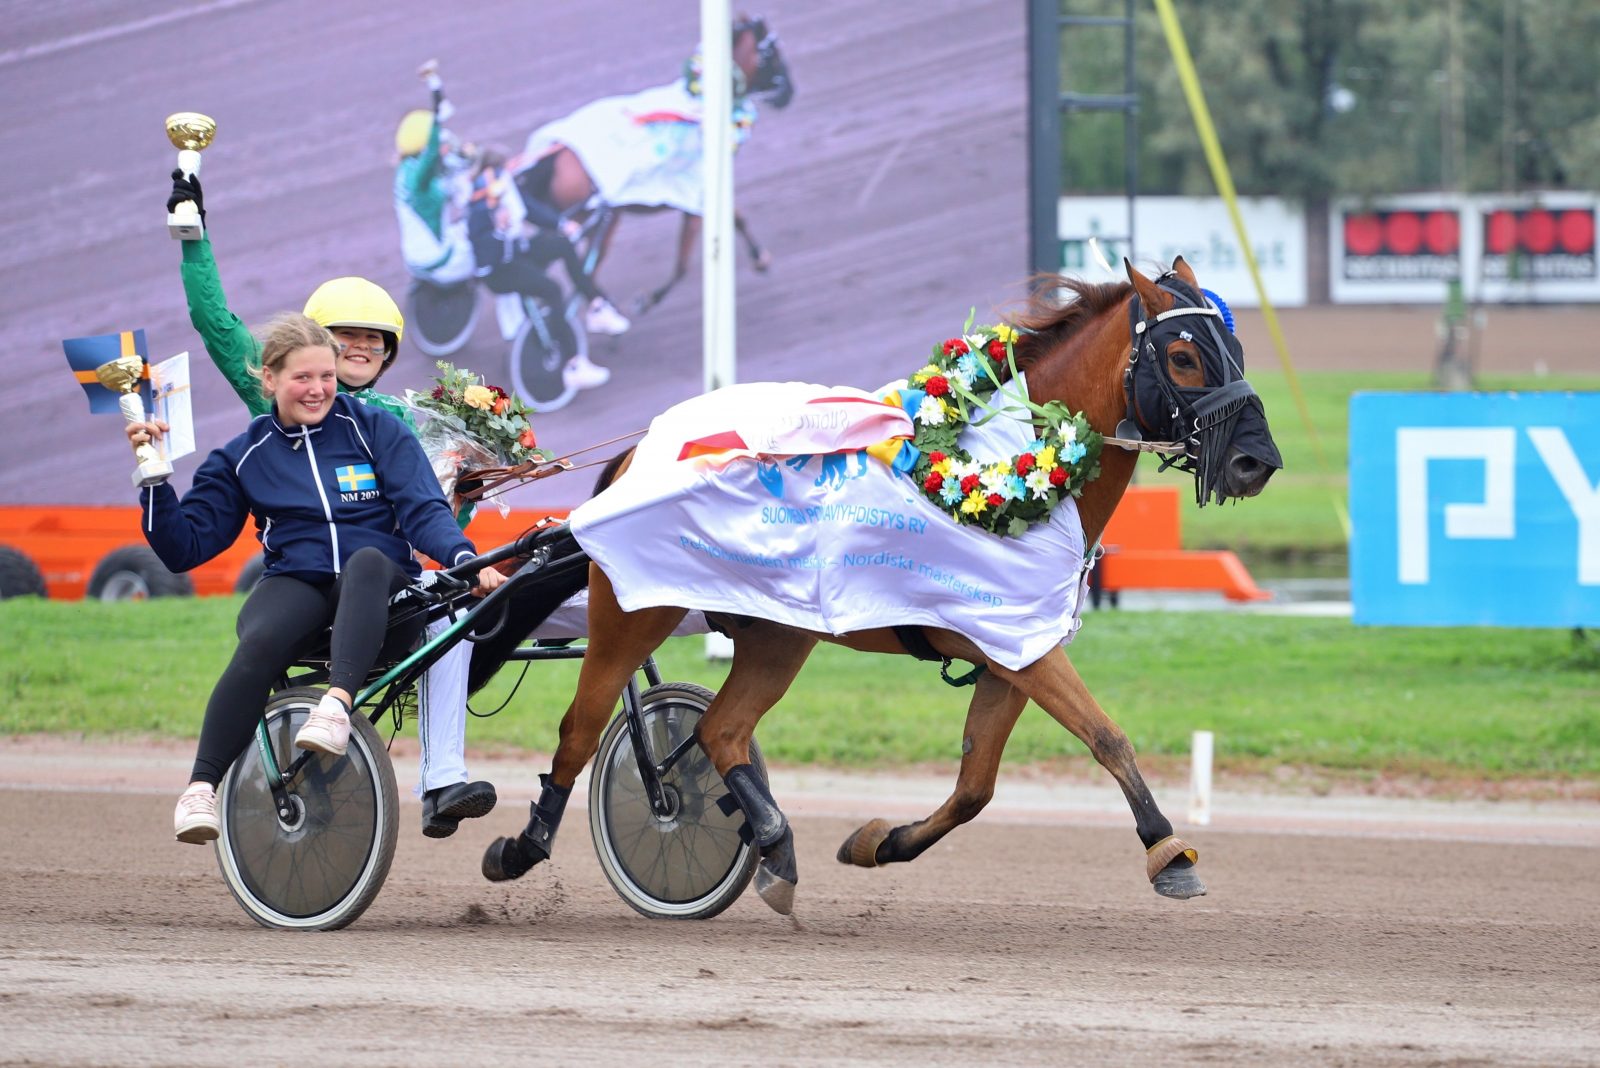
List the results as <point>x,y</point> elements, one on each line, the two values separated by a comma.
<point>283,334</point>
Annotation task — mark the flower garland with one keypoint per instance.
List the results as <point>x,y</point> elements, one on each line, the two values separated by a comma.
<point>1002,498</point>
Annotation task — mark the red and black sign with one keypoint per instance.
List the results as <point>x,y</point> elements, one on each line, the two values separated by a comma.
<point>1536,243</point>
<point>1402,245</point>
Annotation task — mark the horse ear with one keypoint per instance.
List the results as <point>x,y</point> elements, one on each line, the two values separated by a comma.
<point>1183,271</point>
<point>1150,295</point>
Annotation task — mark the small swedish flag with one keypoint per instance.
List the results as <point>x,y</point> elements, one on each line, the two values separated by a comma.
<point>84,354</point>
<point>356,477</point>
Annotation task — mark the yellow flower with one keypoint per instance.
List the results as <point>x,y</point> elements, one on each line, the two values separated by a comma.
<point>1005,332</point>
<point>479,397</point>
<point>1047,457</point>
<point>943,467</point>
<point>923,375</point>
<point>975,503</point>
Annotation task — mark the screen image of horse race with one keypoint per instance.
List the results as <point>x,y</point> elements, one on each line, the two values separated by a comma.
<point>895,534</point>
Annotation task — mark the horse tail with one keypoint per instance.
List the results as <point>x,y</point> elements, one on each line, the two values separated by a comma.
<point>530,607</point>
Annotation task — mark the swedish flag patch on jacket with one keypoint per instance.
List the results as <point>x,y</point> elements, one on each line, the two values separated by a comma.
<point>356,482</point>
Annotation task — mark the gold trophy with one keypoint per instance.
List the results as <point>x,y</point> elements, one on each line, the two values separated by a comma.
<point>189,132</point>
<point>121,376</point>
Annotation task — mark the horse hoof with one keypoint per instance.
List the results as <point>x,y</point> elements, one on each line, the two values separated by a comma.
<point>775,890</point>
<point>503,860</point>
<point>861,848</point>
<point>1181,883</point>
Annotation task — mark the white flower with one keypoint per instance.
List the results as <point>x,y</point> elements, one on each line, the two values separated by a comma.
<point>993,480</point>
<point>930,412</point>
<point>1039,482</point>
<point>1069,431</point>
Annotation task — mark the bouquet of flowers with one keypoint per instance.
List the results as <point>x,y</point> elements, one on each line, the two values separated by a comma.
<point>465,425</point>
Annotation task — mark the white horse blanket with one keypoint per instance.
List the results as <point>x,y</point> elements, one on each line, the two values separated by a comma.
<point>761,500</point>
<point>641,149</point>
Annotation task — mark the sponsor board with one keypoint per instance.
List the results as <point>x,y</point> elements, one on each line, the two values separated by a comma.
<point>1410,249</point>
<point>1200,230</point>
<point>1475,508</point>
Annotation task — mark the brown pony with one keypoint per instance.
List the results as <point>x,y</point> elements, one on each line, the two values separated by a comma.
<point>1180,381</point>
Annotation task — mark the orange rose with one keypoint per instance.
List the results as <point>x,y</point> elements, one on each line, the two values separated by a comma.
<point>501,404</point>
<point>527,440</point>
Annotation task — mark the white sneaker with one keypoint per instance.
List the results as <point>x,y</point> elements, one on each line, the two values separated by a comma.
<point>582,374</point>
<point>605,319</point>
<point>195,820</point>
<point>327,729</point>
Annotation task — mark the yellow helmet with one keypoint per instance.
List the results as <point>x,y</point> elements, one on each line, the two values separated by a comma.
<point>352,301</point>
<point>413,133</point>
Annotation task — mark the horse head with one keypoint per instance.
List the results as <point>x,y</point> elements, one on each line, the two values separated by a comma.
<point>1184,383</point>
<point>757,54</point>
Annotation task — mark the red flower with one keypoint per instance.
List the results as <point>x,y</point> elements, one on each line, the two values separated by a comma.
<point>527,440</point>
<point>933,482</point>
<point>1058,476</point>
<point>995,500</point>
<point>937,386</point>
<point>997,349</point>
<point>936,457</point>
<point>438,393</point>
<point>498,392</point>
<point>955,346</point>
<point>969,483</point>
<point>1025,463</point>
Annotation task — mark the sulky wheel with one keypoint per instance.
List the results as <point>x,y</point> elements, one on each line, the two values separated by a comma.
<point>691,862</point>
<point>320,865</point>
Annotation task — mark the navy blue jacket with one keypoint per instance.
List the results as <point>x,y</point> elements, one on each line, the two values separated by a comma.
<point>318,493</point>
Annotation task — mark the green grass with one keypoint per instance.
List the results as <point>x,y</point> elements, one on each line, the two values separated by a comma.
<point>1320,693</point>
<point>1298,513</point>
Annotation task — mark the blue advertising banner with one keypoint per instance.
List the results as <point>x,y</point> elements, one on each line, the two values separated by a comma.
<point>1475,508</point>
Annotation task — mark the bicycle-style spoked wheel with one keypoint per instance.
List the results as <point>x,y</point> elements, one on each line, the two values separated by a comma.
<point>689,863</point>
<point>537,365</point>
<point>441,317</point>
<point>319,868</point>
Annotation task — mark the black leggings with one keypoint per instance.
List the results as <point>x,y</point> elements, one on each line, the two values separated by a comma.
<point>525,273</point>
<point>285,618</point>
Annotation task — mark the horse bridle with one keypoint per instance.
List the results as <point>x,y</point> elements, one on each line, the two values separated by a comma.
<point>1199,421</point>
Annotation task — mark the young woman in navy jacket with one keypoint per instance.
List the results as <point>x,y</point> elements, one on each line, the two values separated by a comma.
<point>341,494</point>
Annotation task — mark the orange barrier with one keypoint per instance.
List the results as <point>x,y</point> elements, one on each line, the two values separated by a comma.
<point>1143,546</point>
<point>66,542</point>
<point>1143,543</point>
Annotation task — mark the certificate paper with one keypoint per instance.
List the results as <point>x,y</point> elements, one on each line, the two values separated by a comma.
<point>169,388</point>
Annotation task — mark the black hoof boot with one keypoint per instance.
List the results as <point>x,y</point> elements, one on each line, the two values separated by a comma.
<point>510,858</point>
<point>777,874</point>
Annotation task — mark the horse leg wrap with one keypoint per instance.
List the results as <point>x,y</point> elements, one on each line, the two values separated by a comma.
<point>544,819</point>
<point>510,858</point>
<point>760,809</point>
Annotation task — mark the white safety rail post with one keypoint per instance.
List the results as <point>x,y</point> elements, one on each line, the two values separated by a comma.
<point>1200,779</point>
<point>716,231</point>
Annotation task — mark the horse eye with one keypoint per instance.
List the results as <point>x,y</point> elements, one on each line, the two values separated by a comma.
<point>1183,360</point>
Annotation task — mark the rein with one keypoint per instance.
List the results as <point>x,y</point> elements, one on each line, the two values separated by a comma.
<point>493,481</point>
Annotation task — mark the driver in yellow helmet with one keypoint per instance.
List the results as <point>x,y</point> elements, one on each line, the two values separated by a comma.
<point>366,323</point>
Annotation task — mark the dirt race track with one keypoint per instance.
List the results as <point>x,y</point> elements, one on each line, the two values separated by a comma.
<point>1333,934</point>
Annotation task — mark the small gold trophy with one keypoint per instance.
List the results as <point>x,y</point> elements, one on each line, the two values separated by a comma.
<point>122,377</point>
<point>189,132</point>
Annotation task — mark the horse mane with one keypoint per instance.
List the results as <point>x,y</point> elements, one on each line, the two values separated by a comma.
<point>1049,319</point>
